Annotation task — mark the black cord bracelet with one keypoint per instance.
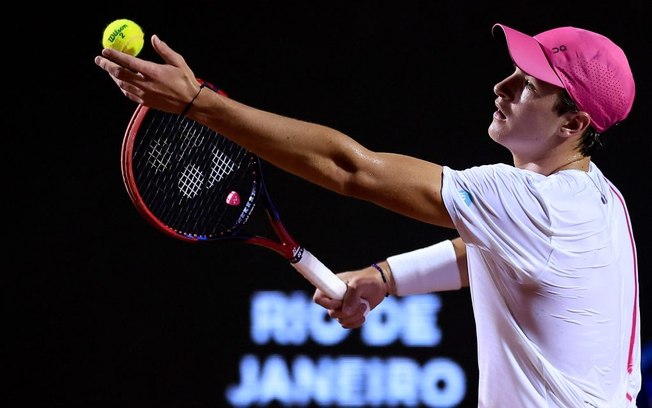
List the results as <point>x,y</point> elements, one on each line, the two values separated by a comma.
<point>382,275</point>
<point>189,105</point>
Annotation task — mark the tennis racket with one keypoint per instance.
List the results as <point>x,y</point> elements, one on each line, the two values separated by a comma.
<point>195,185</point>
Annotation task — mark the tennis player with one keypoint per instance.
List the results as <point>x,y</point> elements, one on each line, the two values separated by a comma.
<point>545,245</point>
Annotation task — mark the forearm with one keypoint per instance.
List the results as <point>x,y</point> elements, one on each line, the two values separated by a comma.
<point>314,152</point>
<point>328,158</point>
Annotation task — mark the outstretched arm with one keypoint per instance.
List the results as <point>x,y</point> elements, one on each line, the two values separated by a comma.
<point>319,154</point>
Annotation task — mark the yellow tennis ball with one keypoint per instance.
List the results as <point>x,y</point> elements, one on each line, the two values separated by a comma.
<point>124,35</point>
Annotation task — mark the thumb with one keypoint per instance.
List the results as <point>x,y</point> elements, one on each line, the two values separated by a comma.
<point>353,303</point>
<point>170,56</point>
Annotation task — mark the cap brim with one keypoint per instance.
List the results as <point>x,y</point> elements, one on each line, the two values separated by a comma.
<point>527,54</point>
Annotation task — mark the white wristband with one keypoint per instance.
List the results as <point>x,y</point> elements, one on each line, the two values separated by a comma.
<point>430,269</point>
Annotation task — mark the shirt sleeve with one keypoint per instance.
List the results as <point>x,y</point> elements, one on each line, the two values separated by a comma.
<point>499,209</point>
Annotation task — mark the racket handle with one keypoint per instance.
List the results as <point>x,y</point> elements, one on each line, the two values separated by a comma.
<point>322,277</point>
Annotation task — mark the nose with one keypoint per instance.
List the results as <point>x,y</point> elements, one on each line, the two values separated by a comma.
<point>502,88</point>
<point>497,89</point>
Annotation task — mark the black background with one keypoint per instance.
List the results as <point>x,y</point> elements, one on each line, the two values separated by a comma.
<point>102,310</point>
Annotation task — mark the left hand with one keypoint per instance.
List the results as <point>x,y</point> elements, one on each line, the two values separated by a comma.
<point>167,87</point>
<point>350,311</point>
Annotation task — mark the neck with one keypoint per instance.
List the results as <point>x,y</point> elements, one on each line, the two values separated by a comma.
<point>575,163</point>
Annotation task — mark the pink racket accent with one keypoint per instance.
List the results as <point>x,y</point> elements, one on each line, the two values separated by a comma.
<point>233,198</point>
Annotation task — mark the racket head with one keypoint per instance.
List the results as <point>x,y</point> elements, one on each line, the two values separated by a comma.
<point>196,185</point>
<point>187,180</point>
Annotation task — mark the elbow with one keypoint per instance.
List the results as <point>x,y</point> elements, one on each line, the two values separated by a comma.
<point>356,184</point>
<point>347,177</point>
<point>346,182</point>
<point>354,174</point>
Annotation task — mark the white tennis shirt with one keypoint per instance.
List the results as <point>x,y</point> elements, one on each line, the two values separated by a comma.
<point>553,280</point>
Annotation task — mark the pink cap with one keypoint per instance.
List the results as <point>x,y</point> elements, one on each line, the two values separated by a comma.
<point>593,70</point>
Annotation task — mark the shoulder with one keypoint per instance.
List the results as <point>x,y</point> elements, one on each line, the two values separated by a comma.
<point>492,176</point>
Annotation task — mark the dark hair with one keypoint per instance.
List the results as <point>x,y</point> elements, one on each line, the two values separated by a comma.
<point>591,140</point>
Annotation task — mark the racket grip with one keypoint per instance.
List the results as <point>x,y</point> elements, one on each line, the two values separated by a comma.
<point>322,277</point>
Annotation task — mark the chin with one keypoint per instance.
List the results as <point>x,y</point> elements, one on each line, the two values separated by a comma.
<point>494,132</point>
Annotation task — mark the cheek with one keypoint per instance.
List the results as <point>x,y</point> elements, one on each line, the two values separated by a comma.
<point>535,119</point>
<point>525,126</point>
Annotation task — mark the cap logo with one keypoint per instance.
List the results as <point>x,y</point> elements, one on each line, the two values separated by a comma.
<point>555,50</point>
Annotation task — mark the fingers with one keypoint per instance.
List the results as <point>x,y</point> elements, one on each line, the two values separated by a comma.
<point>164,86</point>
<point>324,301</point>
<point>124,77</point>
<point>115,69</point>
<point>116,60</point>
<point>132,69</point>
<point>349,317</point>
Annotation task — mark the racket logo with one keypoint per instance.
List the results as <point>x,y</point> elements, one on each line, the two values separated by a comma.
<point>192,177</point>
<point>159,155</point>
<point>221,166</point>
<point>233,198</point>
<point>298,254</point>
<point>190,181</point>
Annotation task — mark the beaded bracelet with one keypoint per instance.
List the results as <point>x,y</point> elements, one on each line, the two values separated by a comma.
<point>189,105</point>
<point>382,275</point>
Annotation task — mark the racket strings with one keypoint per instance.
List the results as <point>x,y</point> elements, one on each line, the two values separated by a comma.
<point>159,155</point>
<point>222,166</point>
<point>194,180</point>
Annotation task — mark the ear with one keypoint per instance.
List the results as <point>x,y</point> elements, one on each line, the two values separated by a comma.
<point>576,123</point>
